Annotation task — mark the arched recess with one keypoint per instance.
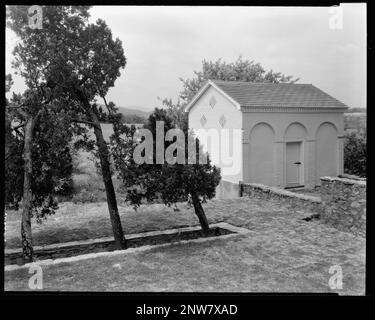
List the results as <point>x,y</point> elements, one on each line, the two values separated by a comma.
<point>326,150</point>
<point>295,132</point>
<point>261,158</point>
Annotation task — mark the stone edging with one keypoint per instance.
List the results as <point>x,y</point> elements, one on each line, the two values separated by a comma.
<point>237,232</point>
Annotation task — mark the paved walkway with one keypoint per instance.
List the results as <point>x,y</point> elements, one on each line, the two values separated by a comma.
<point>292,246</point>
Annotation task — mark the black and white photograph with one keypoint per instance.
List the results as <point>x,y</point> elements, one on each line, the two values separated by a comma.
<point>185,149</point>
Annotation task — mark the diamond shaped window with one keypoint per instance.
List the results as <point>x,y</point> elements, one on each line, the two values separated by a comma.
<point>203,120</point>
<point>212,102</point>
<point>222,121</point>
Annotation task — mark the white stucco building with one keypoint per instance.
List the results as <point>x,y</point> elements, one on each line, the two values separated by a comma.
<point>284,135</point>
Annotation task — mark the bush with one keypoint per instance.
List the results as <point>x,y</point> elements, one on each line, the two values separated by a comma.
<point>355,154</point>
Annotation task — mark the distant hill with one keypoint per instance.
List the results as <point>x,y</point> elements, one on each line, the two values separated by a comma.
<point>355,121</point>
<point>134,111</point>
<point>132,115</point>
<point>131,111</point>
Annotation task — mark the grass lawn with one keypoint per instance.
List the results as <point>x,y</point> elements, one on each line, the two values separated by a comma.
<point>74,222</point>
<point>282,253</point>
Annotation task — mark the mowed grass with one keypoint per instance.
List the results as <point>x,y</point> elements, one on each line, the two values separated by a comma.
<point>219,266</point>
<point>87,183</point>
<point>74,222</point>
<point>282,252</point>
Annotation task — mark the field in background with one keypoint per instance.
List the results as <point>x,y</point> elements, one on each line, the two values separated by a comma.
<point>355,121</point>
<point>87,183</point>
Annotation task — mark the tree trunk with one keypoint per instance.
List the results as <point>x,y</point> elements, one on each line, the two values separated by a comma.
<point>200,213</point>
<point>118,233</point>
<point>26,235</point>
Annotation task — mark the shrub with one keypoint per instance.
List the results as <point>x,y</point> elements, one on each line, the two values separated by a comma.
<point>355,154</point>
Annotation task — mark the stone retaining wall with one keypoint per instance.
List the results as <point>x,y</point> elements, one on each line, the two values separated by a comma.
<point>291,199</point>
<point>344,203</point>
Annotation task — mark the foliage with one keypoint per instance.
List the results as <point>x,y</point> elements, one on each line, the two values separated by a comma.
<point>35,55</point>
<point>239,70</point>
<point>39,50</point>
<point>13,179</point>
<point>355,154</point>
<point>69,59</point>
<point>355,122</point>
<point>52,164</point>
<point>170,182</point>
<point>66,61</point>
<point>69,62</point>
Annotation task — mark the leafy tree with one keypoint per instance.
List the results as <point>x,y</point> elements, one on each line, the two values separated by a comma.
<point>355,153</point>
<point>13,155</point>
<point>92,76</point>
<point>68,62</point>
<point>38,163</point>
<point>28,108</point>
<point>32,61</point>
<point>170,182</point>
<point>52,163</point>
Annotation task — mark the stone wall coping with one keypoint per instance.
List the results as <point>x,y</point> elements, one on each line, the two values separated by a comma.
<point>237,231</point>
<point>284,193</point>
<point>351,177</point>
<point>360,183</point>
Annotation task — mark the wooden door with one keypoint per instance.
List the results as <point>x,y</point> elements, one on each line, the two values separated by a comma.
<point>293,164</point>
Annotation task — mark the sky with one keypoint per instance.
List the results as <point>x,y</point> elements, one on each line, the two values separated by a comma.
<point>163,44</point>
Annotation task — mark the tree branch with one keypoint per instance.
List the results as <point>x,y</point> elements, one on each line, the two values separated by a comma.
<point>83,80</point>
<point>106,104</point>
<point>19,126</point>
<point>85,122</point>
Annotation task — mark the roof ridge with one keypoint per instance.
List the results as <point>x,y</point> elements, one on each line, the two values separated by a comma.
<point>260,83</point>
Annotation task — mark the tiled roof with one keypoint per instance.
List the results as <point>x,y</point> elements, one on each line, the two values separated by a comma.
<point>252,94</point>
